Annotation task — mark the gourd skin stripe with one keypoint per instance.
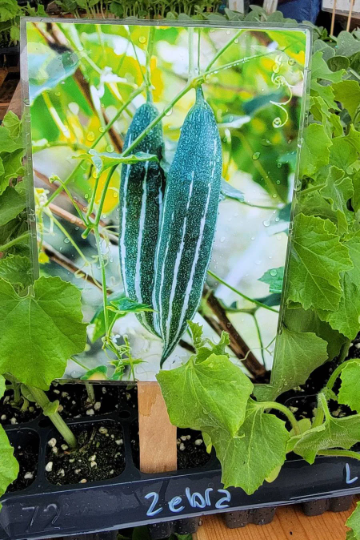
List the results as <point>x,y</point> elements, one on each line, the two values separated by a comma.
<point>188,223</point>
<point>141,194</point>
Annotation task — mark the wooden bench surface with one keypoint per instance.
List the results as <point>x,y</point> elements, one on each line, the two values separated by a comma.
<point>289,523</point>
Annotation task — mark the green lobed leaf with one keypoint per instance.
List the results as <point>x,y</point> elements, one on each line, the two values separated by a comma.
<point>345,319</point>
<point>13,124</point>
<point>17,270</point>
<point>315,151</point>
<point>299,320</point>
<point>338,191</point>
<point>106,160</point>
<point>118,306</point>
<point>349,393</point>
<point>333,433</point>
<point>2,386</point>
<point>9,467</point>
<point>353,523</point>
<point>258,448</point>
<point>317,258</point>
<point>11,204</point>
<point>297,354</point>
<point>194,393</point>
<point>274,278</point>
<point>43,329</point>
<point>348,93</point>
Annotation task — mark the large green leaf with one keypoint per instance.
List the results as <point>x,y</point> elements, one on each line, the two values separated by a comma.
<point>11,204</point>
<point>315,151</point>
<point>194,393</point>
<point>333,433</point>
<point>40,331</point>
<point>297,354</point>
<point>9,467</point>
<point>300,320</point>
<point>317,258</point>
<point>17,270</point>
<point>254,452</point>
<point>354,524</point>
<point>345,318</point>
<point>338,191</point>
<point>349,393</point>
<point>348,93</point>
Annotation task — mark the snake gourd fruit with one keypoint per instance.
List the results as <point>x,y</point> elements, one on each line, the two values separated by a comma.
<point>141,196</point>
<point>188,224</point>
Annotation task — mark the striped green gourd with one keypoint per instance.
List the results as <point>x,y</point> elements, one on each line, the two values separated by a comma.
<point>141,195</point>
<point>188,223</point>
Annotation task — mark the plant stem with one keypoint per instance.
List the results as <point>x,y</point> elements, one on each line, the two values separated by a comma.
<point>103,279</point>
<point>150,49</point>
<point>336,373</point>
<point>12,243</point>
<point>90,392</point>
<point>279,407</point>
<point>108,127</point>
<point>42,400</point>
<point>340,453</point>
<point>191,53</point>
<point>256,302</point>
<point>221,51</point>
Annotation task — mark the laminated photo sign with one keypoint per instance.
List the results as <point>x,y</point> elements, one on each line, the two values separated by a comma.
<point>164,161</point>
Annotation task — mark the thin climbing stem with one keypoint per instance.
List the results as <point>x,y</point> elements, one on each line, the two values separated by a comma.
<point>41,399</point>
<point>12,243</point>
<point>103,279</point>
<point>256,302</point>
<point>337,372</point>
<point>340,453</point>
<point>108,127</point>
<point>223,49</point>
<point>279,407</point>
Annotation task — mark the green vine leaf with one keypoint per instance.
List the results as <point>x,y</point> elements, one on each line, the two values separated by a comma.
<point>274,278</point>
<point>2,386</point>
<point>354,524</point>
<point>333,433</point>
<point>300,320</point>
<point>297,355</point>
<point>317,258</point>
<point>11,204</point>
<point>243,460</point>
<point>194,393</point>
<point>106,160</point>
<point>13,124</point>
<point>348,93</point>
<point>315,151</point>
<point>17,270</point>
<point>43,329</point>
<point>338,191</point>
<point>9,467</point>
<point>346,317</point>
<point>349,393</point>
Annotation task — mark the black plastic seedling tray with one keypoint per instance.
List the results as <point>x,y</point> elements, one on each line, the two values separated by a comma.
<point>44,510</point>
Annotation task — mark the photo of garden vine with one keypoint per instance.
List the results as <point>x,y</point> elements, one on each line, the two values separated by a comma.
<point>164,163</point>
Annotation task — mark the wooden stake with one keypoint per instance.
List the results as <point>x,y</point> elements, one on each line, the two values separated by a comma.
<point>158,450</point>
<point>333,19</point>
<point>350,15</point>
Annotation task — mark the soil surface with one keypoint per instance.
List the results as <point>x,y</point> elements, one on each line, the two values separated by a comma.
<point>74,400</point>
<point>100,455</point>
<point>191,451</point>
<point>74,403</point>
<point>12,415</point>
<point>27,456</point>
